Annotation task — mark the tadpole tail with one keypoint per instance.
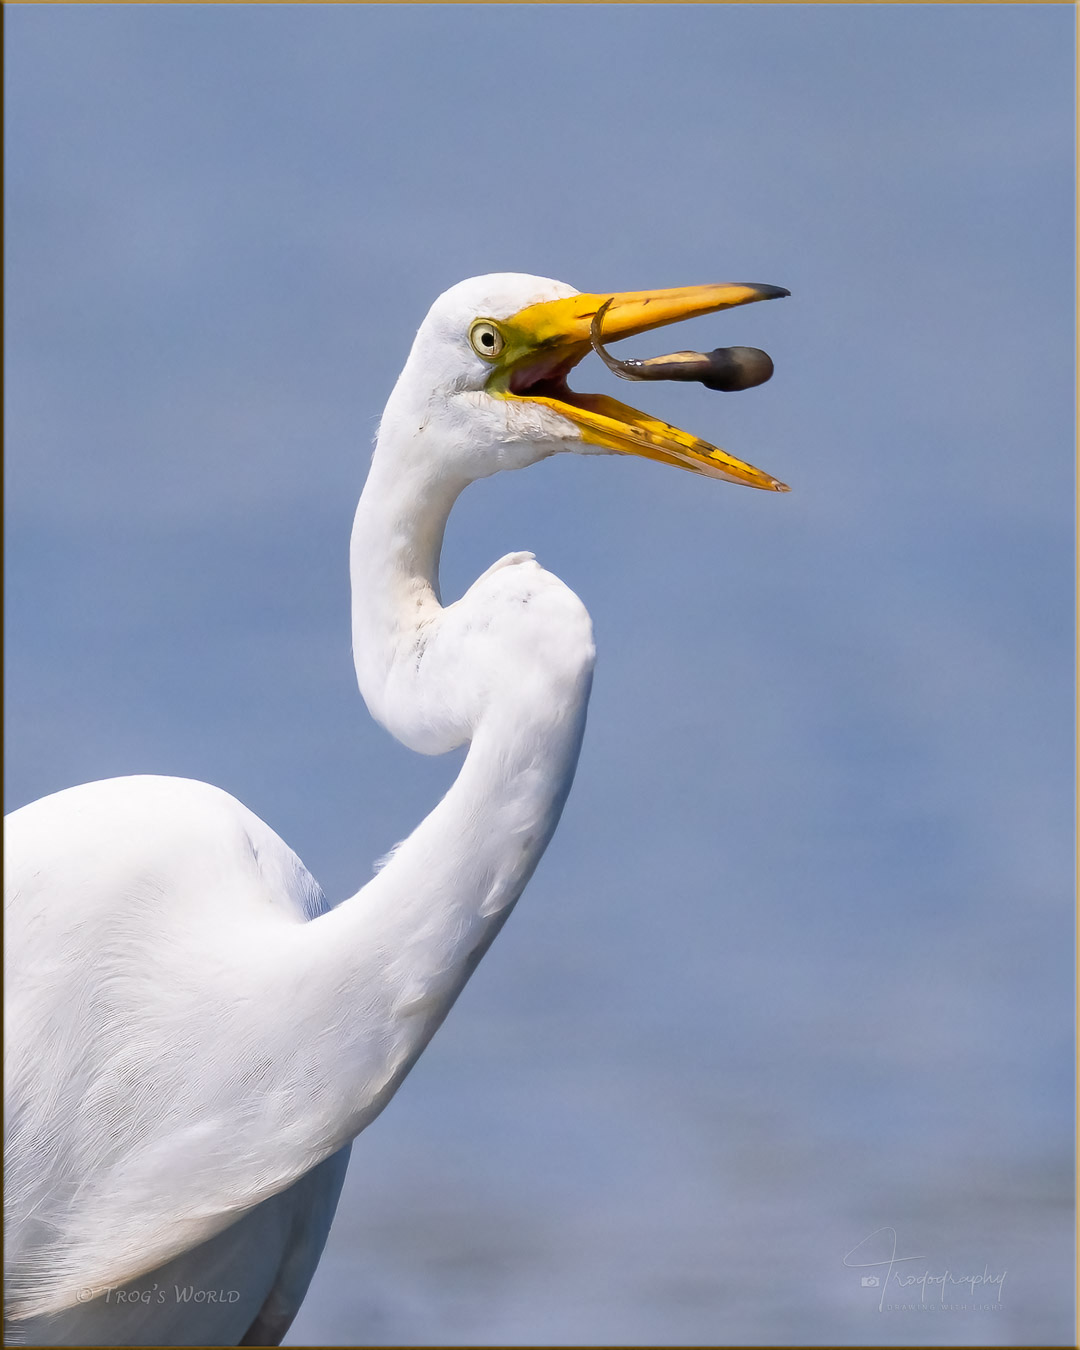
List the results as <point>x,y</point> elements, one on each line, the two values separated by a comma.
<point>624,369</point>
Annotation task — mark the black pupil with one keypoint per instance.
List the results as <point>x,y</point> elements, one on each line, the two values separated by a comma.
<point>488,339</point>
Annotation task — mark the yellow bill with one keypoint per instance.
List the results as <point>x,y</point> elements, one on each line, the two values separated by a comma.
<point>542,343</point>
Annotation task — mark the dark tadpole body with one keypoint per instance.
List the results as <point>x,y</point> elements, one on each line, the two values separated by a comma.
<point>726,368</point>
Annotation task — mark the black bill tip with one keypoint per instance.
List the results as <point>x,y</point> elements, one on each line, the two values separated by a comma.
<point>768,292</point>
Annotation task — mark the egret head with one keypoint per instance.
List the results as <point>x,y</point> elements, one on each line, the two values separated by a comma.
<point>485,385</point>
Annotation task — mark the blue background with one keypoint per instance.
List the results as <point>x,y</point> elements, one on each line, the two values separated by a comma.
<point>799,962</point>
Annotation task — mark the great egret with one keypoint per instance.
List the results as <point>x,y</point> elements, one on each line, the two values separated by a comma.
<point>194,1036</point>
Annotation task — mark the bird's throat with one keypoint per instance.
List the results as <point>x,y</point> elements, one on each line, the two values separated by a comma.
<point>396,545</point>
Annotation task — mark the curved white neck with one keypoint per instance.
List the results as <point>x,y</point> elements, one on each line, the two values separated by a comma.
<point>397,537</point>
<point>403,947</point>
<point>394,563</point>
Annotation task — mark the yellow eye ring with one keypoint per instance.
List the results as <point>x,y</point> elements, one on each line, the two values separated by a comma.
<point>486,339</point>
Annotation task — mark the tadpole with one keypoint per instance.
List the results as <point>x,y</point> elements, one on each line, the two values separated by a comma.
<point>727,368</point>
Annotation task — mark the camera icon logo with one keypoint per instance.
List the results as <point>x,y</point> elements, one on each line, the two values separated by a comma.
<point>870,1281</point>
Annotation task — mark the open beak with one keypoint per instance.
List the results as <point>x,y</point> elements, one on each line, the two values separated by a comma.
<point>544,342</point>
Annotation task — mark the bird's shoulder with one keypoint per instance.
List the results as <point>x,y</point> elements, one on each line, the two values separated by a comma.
<point>149,922</point>
<point>147,842</point>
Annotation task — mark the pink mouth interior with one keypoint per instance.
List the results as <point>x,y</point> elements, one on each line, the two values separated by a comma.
<point>545,375</point>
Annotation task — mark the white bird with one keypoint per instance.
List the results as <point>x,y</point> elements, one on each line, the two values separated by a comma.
<point>193,1035</point>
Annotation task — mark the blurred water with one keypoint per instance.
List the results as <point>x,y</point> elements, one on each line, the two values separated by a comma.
<point>799,964</point>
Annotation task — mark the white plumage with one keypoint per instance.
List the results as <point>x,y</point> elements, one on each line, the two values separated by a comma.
<point>193,1036</point>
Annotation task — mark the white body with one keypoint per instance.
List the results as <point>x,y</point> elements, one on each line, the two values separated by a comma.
<point>191,1032</point>
<point>193,1037</point>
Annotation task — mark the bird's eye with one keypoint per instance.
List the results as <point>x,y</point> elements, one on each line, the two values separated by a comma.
<point>486,339</point>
